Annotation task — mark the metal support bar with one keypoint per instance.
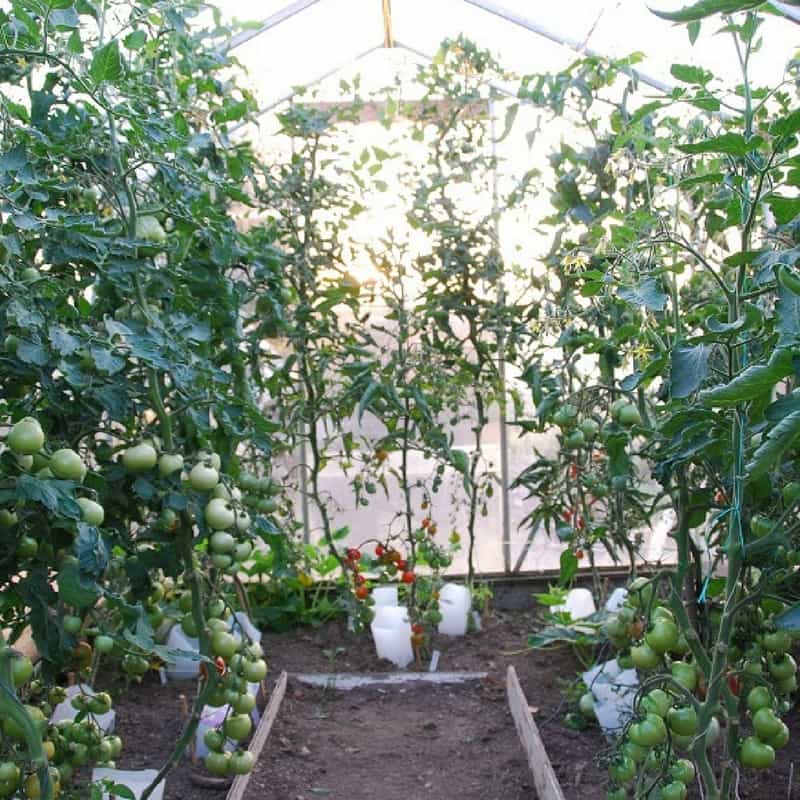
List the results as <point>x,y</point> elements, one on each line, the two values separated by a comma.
<point>573,44</point>
<point>792,12</point>
<point>287,97</point>
<point>270,22</point>
<point>501,360</point>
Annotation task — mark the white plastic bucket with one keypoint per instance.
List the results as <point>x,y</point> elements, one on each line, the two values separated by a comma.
<point>455,602</point>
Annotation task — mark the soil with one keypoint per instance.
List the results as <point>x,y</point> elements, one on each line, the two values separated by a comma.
<point>435,742</point>
<point>424,742</point>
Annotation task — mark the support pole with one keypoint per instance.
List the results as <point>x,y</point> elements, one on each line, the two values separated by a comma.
<point>501,359</point>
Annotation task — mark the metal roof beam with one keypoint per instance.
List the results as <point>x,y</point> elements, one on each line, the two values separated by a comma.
<point>530,25</point>
<point>270,22</point>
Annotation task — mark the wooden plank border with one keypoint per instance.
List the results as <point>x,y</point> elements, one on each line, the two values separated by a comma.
<point>239,785</point>
<point>544,778</point>
<point>345,681</point>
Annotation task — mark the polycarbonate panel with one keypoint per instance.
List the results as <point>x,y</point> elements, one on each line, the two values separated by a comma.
<point>301,49</point>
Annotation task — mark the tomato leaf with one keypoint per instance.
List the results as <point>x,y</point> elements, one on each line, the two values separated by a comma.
<point>689,368</point>
<point>107,64</point>
<point>778,439</point>
<point>706,8</point>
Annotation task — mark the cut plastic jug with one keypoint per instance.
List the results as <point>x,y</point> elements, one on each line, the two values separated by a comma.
<point>579,603</point>
<point>385,596</point>
<point>241,623</point>
<point>390,616</point>
<point>66,711</point>
<point>182,668</point>
<point>455,603</point>
<point>394,643</point>
<point>212,717</point>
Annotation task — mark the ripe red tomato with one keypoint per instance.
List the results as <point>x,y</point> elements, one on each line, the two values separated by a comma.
<point>408,577</point>
<point>362,593</point>
<point>579,523</point>
<point>425,522</point>
<point>379,550</point>
<point>353,554</point>
<point>418,627</point>
<point>566,515</point>
<point>579,554</point>
<point>360,580</point>
<point>402,564</point>
<point>735,684</point>
<point>573,471</point>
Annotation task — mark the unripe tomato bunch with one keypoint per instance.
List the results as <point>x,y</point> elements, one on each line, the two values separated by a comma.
<point>760,676</point>
<point>68,744</point>
<point>239,664</point>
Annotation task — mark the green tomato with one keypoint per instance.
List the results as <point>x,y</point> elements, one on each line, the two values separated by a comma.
<point>791,492</point>
<point>242,551</point>
<point>586,705</point>
<point>9,772</point>
<point>777,642</point>
<point>676,790</point>
<point>683,721</point>
<point>214,740</point>
<point>242,762</point>
<point>224,644</point>
<point>217,763</point>
<point>657,702</point>
<point>26,437</point>
<point>635,751</point>
<point>782,667</point>
<point>755,754</point>
<point>242,522</point>
<point>221,542</point>
<point>616,794</point>
<point>27,547</point>
<point>71,624</point>
<point>685,674</point>
<point>221,560</point>
<point>219,515</point>
<point>759,697</point>
<point>149,229</point>
<point>93,513</point>
<point>237,727</point>
<point>663,636</point>
<point>168,463</point>
<point>780,739</point>
<point>640,593</point>
<point>21,670</point>
<point>67,465</point>
<point>622,769</point>
<point>103,644</point>
<point>575,439</point>
<point>629,415</point>
<point>243,703</point>
<point>644,657</point>
<point>683,770</point>
<point>649,732</point>
<point>255,671</point>
<point>140,458</point>
<point>766,724</point>
<point>566,415</point>
<point>787,685</point>
<point>188,625</point>
<point>8,518</point>
<point>203,478</point>
<point>589,428</point>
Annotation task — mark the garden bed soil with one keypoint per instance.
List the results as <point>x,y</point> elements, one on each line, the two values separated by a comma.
<point>389,737</point>
<point>435,742</point>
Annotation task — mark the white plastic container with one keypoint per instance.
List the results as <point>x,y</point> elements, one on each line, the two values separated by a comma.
<point>394,644</point>
<point>616,599</point>
<point>137,780</point>
<point>579,603</point>
<point>66,711</point>
<point>242,624</point>
<point>385,596</point>
<point>182,669</point>
<point>455,603</point>
<point>391,631</point>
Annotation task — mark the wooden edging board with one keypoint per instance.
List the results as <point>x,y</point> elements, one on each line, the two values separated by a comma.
<point>239,785</point>
<point>544,778</point>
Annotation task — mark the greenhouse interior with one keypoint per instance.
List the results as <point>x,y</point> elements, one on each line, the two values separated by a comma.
<point>399,399</point>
